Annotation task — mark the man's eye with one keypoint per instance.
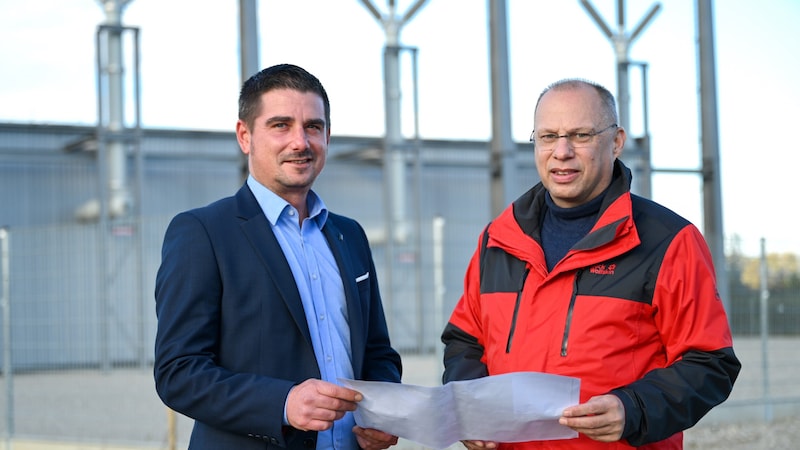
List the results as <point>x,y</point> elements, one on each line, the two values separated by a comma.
<point>582,137</point>
<point>550,137</point>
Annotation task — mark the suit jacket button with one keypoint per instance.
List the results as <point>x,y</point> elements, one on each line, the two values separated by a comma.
<point>309,443</point>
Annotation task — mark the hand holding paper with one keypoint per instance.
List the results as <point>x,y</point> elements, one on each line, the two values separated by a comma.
<point>513,407</point>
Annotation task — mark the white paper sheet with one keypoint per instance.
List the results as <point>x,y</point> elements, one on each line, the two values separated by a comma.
<point>513,407</point>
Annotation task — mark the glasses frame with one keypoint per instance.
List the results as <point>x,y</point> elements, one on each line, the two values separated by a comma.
<point>571,136</point>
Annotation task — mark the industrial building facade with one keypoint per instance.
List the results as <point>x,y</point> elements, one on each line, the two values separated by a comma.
<point>81,274</point>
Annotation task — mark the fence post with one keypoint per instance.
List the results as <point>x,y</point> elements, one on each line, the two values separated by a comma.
<point>764,313</point>
<point>439,286</point>
<point>5,303</point>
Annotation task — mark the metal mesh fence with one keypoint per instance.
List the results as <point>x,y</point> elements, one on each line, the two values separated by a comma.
<point>82,325</point>
<point>77,297</point>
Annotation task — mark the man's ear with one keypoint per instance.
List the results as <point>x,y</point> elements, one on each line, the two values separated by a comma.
<point>619,141</point>
<point>243,136</point>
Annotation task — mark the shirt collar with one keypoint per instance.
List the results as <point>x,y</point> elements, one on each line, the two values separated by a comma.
<point>274,206</point>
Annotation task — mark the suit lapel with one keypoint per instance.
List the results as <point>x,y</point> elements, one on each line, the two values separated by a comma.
<point>337,241</point>
<point>259,232</point>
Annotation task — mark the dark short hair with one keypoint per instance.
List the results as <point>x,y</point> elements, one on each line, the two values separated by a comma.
<point>281,76</point>
<point>610,105</point>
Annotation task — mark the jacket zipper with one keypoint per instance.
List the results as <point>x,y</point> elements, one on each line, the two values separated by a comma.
<point>568,323</point>
<point>516,310</point>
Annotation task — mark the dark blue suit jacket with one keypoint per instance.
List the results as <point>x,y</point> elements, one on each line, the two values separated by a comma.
<point>232,336</point>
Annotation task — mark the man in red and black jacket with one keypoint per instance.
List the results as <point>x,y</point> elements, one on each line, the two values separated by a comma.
<point>579,277</point>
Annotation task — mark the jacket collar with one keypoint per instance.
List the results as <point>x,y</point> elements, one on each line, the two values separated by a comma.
<point>518,228</point>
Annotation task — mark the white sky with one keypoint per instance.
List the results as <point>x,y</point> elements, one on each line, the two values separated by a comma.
<point>190,78</point>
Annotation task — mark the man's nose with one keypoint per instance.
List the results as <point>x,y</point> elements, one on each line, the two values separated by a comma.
<point>563,146</point>
<point>300,137</point>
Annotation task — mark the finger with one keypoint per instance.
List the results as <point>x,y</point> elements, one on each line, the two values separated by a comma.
<point>582,410</point>
<point>372,439</point>
<point>597,405</point>
<point>330,396</point>
<point>339,392</point>
<point>373,434</point>
<point>314,420</point>
<point>583,422</point>
<point>335,404</point>
<point>308,409</point>
<point>596,427</point>
<point>477,445</point>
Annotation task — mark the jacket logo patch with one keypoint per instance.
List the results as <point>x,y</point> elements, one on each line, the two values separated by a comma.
<point>602,269</point>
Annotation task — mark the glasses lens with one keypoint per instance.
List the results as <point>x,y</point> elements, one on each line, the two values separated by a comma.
<point>577,139</point>
<point>550,140</point>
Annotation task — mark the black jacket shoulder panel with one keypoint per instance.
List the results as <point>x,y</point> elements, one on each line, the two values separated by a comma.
<point>501,272</point>
<point>633,275</point>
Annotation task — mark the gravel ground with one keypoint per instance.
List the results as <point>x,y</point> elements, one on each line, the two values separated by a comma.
<point>121,407</point>
<point>755,435</point>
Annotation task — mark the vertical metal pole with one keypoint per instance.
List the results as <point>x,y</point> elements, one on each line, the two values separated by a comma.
<point>394,143</point>
<point>391,188</point>
<point>114,198</point>
<point>631,151</point>
<point>645,108</point>
<point>438,287</point>
<point>116,146</point>
<point>248,39</point>
<point>764,315</point>
<point>622,47</point>
<point>393,146</point>
<point>248,56</point>
<point>139,205</point>
<point>502,159</point>
<point>712,192</point>
<point>645,181</point>
<point>5,303</point>
<point>417,203</point>
<point>104,322</point>
<point>119,198</point>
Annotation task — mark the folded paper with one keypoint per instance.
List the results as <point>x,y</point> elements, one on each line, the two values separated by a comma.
<point>512,407</point>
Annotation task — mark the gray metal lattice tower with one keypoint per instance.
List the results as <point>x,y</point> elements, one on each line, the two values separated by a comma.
<point>114,135</point>
<point>636,151</point>
<point>394,144</point>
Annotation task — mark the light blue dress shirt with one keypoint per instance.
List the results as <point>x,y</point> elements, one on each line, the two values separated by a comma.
<point>320,285</point>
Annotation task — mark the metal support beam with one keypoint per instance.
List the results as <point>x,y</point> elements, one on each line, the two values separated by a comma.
<point>502,160</point>
<point>712,192</point>
<point>248,55</point>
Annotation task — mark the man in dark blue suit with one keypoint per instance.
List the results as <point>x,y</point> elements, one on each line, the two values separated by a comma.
<point>266,298</point>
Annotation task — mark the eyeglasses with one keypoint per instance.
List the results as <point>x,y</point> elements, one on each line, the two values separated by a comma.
<point>576,139</point>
